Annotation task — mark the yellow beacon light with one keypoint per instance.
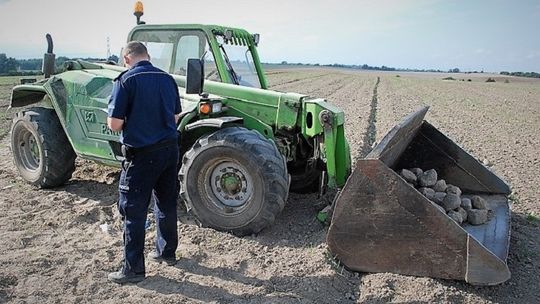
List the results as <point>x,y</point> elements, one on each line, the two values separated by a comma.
<point>138,11</point>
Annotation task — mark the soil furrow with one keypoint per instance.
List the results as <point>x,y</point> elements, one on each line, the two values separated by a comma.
<point>371,132</point>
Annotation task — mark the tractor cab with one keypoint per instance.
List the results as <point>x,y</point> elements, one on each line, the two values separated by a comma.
<point>229,54</point>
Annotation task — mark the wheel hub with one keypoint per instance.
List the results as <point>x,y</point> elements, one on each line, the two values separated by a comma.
<point>231,184</point>
<point>28,150</point>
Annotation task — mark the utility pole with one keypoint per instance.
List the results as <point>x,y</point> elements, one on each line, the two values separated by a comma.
<point>108,48</point>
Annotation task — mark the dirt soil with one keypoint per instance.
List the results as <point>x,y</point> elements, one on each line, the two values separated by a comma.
<point>53,250</point>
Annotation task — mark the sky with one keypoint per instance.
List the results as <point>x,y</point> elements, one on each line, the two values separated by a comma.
<point>471,35</point>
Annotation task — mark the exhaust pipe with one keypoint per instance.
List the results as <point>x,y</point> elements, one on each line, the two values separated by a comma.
<point>49,58</point>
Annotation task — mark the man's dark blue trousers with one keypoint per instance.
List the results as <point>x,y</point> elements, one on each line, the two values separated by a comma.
<point>144,174</point>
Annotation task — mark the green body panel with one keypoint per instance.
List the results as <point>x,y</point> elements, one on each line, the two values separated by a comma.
<point>262,110</point>
<point>81,94</point>
<point>334,148</point>
<point>80,98</point>
<point>27,94</point>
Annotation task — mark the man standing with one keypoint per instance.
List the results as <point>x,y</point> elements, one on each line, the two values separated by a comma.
<point>145,106</point>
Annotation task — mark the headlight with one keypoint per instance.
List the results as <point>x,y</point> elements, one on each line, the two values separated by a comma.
<point>207,108</point>
<point>216,107</point>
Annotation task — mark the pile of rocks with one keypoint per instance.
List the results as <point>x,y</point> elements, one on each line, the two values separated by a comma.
<point>473,210</point>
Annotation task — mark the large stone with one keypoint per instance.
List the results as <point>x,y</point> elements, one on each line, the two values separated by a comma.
<point>451,201</point>
<point>466,203</point>
<point>427,192</point>
<point>478,202</point>
<point>408,176</point>
<point>477,216</point>
<point>440,186</point>
<point>453,189</point>
<point>428,178</point>
<point>456,216</point>
<point>463,213</point>
<point>417,171</point>
<point>438,197</point>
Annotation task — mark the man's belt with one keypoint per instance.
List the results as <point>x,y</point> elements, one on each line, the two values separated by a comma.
<point>130,152</point>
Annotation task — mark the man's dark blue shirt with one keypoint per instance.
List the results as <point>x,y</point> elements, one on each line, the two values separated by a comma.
<point>147,99</point>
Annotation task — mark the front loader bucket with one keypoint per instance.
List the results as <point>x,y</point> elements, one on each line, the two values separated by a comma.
<point>381,223</point>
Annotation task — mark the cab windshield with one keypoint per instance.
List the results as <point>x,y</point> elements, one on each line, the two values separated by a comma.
<point>240,66</point>
<point>170,49</point>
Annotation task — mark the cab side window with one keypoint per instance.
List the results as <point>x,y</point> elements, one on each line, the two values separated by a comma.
<point>192,46</point>
<point>160,54</point>
<point>169,50</point>
<point>188,47</point>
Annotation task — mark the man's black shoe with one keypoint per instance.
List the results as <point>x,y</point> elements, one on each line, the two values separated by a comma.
<point>154,256</point>
<point>121,278</point>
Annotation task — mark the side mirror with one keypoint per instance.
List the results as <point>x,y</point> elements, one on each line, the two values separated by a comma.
<point>195,76</point>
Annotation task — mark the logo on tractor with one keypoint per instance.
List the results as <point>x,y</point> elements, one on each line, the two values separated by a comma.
<point>105,130</point>
<point>89,116</point>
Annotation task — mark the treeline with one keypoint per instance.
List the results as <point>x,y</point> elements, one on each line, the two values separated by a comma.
<point>10,66</point>
<point>521,74</point>
<point>385,68</point>
<point>374,68</point>
<point>35,64</point>
<point>362,67</point>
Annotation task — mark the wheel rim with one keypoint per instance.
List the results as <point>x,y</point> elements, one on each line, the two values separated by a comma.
<point>230,184</point>
<point>28,150</point>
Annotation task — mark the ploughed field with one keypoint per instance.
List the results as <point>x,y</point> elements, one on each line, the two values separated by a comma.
<point>58,245</point>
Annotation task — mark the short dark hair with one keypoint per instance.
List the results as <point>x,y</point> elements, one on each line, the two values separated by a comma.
<point>135,48</point>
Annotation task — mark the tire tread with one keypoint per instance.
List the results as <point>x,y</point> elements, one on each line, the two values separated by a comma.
<point>272,165</point>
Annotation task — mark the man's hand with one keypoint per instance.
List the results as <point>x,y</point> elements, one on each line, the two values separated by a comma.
<point>176,118</point>
<point>115,124</point>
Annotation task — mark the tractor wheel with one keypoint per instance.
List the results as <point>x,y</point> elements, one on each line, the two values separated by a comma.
<point>41,150</point>
<point>234,180</point>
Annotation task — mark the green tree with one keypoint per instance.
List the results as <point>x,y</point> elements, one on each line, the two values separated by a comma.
<point>8,64</point>
<point>30,64</point>
<point>113,58</point>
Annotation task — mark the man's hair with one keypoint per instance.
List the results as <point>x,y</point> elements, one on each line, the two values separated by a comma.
<point>135,48</point>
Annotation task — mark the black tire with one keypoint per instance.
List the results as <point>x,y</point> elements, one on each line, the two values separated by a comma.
<point>247,163</point>
<point>41,150</point>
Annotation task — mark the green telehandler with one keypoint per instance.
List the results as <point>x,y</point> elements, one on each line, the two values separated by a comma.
<point>244,147</point>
